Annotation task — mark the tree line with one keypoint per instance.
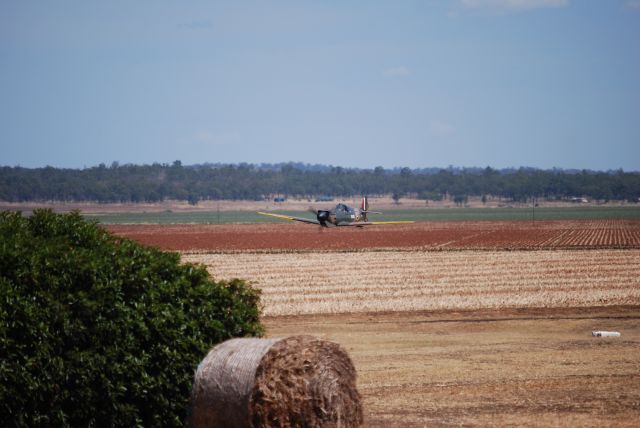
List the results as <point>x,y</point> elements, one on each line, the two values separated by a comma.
<point>158,182</point>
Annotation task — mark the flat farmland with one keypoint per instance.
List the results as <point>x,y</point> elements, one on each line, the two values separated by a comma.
<point>467,337</point>
<point>528,367</point>
<point>382,281</point>
<point>555,234</point>
<point>471,323</point>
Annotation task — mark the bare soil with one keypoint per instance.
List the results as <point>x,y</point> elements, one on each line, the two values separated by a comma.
<point>481,367</point>
<point>379,203</point>
<point>560,234</point>
<point>184,206</point>
<point>528,367</point>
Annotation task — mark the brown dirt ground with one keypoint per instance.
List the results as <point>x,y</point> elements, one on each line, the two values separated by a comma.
<point>529,367</point>
<point>429,235</point>
<point>507,367</point>
<point>380,203</point>
<point>385,203</point>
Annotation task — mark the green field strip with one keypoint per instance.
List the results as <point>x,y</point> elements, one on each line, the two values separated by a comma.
<point>426,214</point>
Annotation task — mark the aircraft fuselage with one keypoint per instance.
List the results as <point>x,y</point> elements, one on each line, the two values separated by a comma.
<point>342,214</point>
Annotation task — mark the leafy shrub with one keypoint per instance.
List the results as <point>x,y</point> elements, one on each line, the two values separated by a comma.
<point>99,330</point>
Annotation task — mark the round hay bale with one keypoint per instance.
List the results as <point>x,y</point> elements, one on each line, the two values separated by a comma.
<point>298,381</point>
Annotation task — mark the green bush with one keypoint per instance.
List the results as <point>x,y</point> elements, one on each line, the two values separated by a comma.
<point>97,330</point>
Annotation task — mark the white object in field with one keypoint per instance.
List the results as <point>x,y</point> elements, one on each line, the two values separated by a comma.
<point>599,333</point>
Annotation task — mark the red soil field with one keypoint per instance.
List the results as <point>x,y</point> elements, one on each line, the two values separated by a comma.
<point>509,235</point>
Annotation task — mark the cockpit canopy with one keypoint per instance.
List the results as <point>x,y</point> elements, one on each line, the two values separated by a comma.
<point>344,208</point>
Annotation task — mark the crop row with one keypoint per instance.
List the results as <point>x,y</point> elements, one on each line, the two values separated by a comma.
<point>322,282</point>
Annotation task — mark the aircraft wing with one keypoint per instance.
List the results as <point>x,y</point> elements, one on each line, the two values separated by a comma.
<point>286,217</point>
<point>373,223</point>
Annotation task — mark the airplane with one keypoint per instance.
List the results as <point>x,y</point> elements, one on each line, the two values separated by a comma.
<point>340,215</point>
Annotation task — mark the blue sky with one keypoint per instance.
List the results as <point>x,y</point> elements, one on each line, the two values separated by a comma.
<point>505,83</point>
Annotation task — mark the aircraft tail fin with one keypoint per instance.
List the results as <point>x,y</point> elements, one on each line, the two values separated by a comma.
<point>365,204</point>
<point>364,209</point>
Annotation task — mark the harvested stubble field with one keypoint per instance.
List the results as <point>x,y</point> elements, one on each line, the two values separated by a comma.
<point>529,367</point>
<point>381,281</point>
<point>445,327</point>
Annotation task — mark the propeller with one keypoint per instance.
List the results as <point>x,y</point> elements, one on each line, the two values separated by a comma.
<point>321,215</point>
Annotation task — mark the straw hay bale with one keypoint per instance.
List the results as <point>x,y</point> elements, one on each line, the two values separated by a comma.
<point>298,381</point>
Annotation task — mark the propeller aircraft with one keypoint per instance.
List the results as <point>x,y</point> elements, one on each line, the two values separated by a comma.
<point>340,215</point>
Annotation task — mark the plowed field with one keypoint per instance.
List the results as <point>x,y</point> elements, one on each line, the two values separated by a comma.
<point>426,235</point>
<point>486,334</point>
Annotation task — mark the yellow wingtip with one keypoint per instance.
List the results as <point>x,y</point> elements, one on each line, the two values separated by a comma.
<point>275,215</point>
<point>393,222</point>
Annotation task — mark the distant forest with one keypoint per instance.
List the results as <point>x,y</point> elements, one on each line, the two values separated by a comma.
<point>158,182</point>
